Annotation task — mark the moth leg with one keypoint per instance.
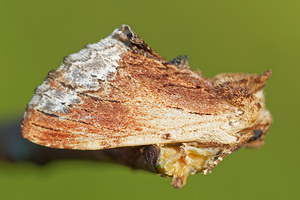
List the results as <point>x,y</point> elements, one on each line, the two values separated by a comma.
<point>179,181</point>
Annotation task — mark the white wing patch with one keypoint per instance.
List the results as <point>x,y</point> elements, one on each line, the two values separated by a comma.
<point>83,71</point>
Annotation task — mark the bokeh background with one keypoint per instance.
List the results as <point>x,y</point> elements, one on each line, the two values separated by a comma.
<point>218,35</point>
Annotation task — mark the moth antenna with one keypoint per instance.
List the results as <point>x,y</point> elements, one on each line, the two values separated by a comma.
<point>215,163</point>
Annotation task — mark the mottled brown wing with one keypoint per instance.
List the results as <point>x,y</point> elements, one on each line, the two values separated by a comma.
<point>119,92</point>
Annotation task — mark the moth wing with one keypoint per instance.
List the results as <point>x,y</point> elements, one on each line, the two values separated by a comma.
<point>115,94</point>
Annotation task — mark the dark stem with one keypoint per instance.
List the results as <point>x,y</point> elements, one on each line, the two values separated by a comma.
<point>14,148</point>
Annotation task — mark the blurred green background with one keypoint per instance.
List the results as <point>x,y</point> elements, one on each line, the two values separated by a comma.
<point>218,35</point>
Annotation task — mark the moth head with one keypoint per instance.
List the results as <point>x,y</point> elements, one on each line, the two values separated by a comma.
<point>260,130</point>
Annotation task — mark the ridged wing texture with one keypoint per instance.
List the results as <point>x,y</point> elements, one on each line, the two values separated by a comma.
<point>119,92</point>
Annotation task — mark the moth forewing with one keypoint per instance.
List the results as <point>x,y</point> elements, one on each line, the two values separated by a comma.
<point>120,93</point>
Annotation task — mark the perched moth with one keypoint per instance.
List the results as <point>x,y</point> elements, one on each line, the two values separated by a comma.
<point>119,94</point>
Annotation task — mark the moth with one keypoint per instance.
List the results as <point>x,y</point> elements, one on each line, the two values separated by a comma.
<point>155,114</point>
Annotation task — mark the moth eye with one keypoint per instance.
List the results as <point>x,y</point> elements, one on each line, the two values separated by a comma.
<point>257,134</point>
<point>151,154</point>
